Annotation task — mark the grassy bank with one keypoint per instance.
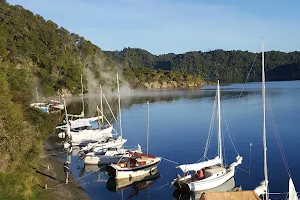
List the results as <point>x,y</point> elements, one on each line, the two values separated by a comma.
<point>23,131</point>
<point>22,154</point>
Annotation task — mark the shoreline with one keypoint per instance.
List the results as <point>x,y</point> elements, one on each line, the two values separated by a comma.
<point>54,176</point>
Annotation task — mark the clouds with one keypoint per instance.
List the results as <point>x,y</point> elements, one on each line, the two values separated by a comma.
<point>162,26</point>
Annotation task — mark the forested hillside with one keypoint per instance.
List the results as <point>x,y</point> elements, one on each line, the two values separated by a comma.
<point>214,64</point>
<point>50,53</point>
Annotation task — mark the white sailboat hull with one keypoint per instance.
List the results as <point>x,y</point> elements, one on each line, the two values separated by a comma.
<point>215,176</point>
<point>120,173</point>
<point>98,147</point>
<point>86,136</point>
<point>109,157</point>
<point>206,184</point>
<point>59,106</point>
<point>148,170</point>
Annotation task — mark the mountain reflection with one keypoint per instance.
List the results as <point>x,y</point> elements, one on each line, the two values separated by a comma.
<point>91,103</point>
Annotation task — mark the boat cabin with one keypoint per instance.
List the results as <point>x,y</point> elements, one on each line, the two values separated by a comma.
<point>207,172</point>
<point>136,161</point>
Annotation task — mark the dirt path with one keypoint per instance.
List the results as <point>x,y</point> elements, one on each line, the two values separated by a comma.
<point>55,178</point>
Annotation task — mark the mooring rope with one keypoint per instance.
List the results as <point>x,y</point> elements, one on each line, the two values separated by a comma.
<point>77,178</point>
<point>243,170</point>
<point>162,186</point>
<point>170,160</point>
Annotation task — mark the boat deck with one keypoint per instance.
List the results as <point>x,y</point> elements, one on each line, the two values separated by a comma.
<point>215,169</point>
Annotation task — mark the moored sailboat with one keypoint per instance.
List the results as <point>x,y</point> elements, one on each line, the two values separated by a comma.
<point>102,145</point>
<point>110,155</point>
<point>263,189</point>
<point>85,136</point>
<point>137,164</point>
<point>207,174</point>
<point>81,131</point>
<point>100,155</point>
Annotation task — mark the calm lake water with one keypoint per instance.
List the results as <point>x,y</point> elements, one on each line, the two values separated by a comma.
<point>179,125</point>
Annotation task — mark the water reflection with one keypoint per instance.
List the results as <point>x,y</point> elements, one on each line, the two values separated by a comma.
<point>136,184</point>
<point>75,105</point>
<point>101,176</point>
<point>94,168</point>
<point>227,186</point>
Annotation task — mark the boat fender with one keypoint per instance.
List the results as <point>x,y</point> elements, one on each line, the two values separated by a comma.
<point>62,135</point>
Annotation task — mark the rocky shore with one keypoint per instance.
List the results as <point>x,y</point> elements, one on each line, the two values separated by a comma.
<point>171,85</point>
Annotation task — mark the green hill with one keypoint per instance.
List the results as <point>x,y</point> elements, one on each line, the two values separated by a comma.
<point>213,64</point>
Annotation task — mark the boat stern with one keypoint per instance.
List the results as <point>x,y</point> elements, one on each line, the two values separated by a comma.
<point>111,171</point>
<point>91,160</point>
<point>181,186</point>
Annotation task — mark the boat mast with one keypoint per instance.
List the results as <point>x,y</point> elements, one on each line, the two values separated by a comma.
<point>67,120</point>
<point>219,125</point>
<point>148,120</point>
<point>82,94</point>
<point>101,103</point>
<point>119,99</point>
<point>37,95</point>
<point>99,121</point>
<point>264,121</point>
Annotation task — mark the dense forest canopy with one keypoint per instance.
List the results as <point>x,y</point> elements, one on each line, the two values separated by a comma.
<point>53,55</point>
<point>213,64</point>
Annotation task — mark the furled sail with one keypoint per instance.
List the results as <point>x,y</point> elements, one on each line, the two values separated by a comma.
<point>197,166</point>
<point>80,123</point>
<point>83,122</point>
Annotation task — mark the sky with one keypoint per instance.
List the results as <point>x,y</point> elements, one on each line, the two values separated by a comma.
<point>177,26</point>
